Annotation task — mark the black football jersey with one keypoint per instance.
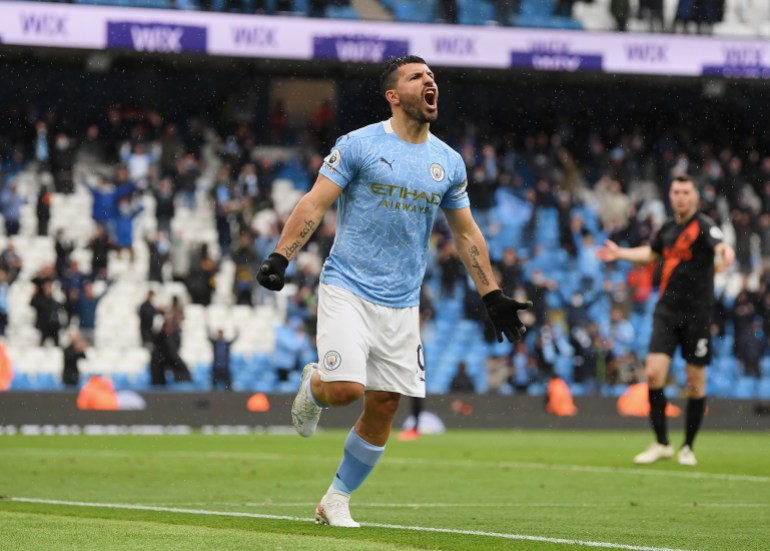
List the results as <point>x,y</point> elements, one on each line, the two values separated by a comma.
<point>687,265</point>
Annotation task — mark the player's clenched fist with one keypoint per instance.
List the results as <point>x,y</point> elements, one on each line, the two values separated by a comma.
<point>272,272</point>
<point>504,313</point>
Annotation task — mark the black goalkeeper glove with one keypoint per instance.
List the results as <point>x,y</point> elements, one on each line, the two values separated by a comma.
<point>272,272</point>
<point>504,313</point>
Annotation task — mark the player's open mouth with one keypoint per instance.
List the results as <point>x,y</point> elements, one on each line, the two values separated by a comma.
<point>430,98</point>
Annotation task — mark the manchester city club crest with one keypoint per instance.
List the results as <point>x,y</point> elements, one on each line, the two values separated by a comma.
<point>332,360</point>
<point>437,172</point>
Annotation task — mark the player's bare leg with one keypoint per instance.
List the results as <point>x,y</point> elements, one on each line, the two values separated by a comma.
<point>363,448</point>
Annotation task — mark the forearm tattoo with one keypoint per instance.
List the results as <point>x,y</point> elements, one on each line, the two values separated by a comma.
<point>475,254</point>
<point>304,234</point>
<point>308,229</point>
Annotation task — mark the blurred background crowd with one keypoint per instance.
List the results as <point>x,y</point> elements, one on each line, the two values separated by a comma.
<point>137,207</point>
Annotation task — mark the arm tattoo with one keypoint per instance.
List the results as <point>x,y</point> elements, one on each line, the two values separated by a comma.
<point>475,253</point>
<point>304,234</point>
<point>308,229</point>
<point>289,250</point>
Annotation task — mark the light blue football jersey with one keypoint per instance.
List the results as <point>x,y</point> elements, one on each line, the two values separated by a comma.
<point>392,191</point>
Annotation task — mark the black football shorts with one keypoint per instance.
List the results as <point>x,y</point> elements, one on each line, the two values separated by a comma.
<point>689,329</point>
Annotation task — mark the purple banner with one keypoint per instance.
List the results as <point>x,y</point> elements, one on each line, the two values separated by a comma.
<point>556,61</point>
<point>358,48</point>
<point>736,71</point>
<point>155,37</point>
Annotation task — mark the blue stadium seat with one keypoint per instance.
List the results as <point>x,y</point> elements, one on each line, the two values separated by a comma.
<point>341,12</point>
<point>415,11</point>
<point>475,12</point>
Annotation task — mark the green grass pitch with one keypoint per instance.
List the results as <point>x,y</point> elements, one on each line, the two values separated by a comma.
<point>463,490</point>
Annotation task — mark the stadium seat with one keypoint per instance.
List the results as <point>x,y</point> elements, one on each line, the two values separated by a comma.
<point>475,12</point>
<point>415,11</point>
<point>341,12</point>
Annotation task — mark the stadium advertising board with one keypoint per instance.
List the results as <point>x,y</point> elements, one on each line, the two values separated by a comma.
<point>280,37</point>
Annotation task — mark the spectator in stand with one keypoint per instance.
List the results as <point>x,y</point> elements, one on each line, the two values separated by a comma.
<point>88,301</point>
<point>620,10</point>
<point>11,262</point>
<point>47,313</point>
<point>652,12</point>
<point>523,369</point>
<point>62,160</point>
<point>147,314</point>
<point>446,11</point>
<point>165,353</point>
<point>160,250</point>
<point>71,283</point>
<point>292,349</point>
<point>43,209</point>
<point>201,281</point>
<point>105,198</point>
<point>461,381</point>
<point>92,150</point>
<point>73,353</point>
<point>220,367</point>
<point>171,151</point>
<point>749,348</point>
<point>140,161</point>
<point>124,226</point>
<point>100,244</point>
<point>11,202</point>
<point>223,211</point>
<point>4,288</point>
<point>189,171</point>
<point>165,204</point>
<point>505,10</point>
<point>246,261</point>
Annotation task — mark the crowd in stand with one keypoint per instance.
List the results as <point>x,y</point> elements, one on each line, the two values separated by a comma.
<point>543,200</point>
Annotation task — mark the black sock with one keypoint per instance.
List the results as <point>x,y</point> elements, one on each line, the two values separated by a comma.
<point>658,404</point>
<point>695,409</point>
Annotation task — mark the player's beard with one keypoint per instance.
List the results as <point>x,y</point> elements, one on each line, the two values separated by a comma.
<point>417,113</point>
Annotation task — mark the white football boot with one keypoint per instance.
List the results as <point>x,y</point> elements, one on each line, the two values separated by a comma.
<point>334,510</point>
<point>653,453</point>
<point>686,457</point>
<point>304,413</point>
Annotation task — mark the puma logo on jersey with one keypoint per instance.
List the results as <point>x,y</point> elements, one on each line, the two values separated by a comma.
<point>389,163</point>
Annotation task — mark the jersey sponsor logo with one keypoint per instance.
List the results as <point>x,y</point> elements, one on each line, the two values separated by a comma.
<point>332,360</point>
<point>400,192</point>
<point>333,160</point>
<point>680,251</point>
<point>437,172</point>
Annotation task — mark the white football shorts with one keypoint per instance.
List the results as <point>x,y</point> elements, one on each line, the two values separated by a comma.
<point>370,344</point>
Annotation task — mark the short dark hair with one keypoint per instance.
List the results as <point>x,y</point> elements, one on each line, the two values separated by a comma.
<point>387,78</point>
<point>684,178</point>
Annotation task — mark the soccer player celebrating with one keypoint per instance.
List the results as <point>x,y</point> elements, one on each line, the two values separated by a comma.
<point>390,179</point>
<point>687,244</point>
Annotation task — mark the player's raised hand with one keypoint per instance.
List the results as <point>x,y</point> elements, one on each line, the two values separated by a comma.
<point>272,272</point>
<point>504,313</point>
<point>608,252</point>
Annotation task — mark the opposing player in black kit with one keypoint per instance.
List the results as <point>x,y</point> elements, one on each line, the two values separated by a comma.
<point>686,244</point>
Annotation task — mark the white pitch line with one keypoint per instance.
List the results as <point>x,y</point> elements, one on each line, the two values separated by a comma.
<point>604,505</point>
<point>520,537</point>
<point>465,463</point>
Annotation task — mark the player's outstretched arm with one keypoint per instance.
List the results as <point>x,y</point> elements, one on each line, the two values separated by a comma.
<point>611,251</point>
<point>302,222</point>
<point>472,248</point>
